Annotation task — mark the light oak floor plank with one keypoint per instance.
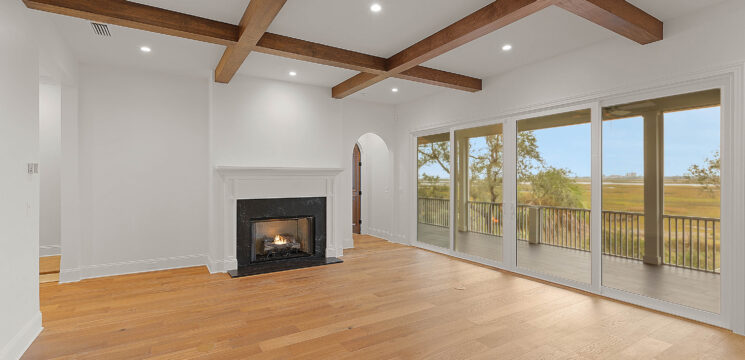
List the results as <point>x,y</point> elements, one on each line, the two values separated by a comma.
<point>386,301</point>
<point>49,264</point>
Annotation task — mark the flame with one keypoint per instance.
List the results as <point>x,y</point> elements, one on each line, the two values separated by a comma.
<point>280,240</point>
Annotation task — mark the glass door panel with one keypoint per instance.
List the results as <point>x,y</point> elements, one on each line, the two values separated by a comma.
<point>554,195</point>
<point>661,199</point>
<point>478,166</point>
<point>433,190</point>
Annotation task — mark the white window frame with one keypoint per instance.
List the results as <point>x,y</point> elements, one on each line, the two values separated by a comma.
<point>729,80</point>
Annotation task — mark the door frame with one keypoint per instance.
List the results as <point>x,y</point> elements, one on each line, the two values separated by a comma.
<point>357,185</point>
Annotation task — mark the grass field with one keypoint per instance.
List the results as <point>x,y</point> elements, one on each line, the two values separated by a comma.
<point>684,200</point>
<point>680,199</point>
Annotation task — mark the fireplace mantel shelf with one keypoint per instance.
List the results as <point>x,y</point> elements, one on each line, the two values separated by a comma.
<point>277,171</point>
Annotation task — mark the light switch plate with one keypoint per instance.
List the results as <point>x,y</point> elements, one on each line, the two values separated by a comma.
<point>33,168</point>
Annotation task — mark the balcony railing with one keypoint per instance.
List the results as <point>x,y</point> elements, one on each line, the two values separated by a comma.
<point>692,242</point>
<point>688,242</point>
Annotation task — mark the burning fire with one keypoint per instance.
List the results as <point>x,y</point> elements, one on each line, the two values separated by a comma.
<point>280,240</point>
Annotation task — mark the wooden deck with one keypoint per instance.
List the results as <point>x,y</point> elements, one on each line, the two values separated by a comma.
<point>692,288</point>
<point>385,301</point>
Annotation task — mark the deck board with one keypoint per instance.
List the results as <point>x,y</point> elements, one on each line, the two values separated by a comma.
<point>687,287</point>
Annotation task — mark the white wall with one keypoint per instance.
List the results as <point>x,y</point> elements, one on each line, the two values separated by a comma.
<point>137,195</point>
<point>267,123</point>
<point>70,223</point>
<point>50,153</point>
<point>19,191</point>
<point>359,119</point>
<point>693,44</point>
<point>261,122</point>
<point>143,151</point>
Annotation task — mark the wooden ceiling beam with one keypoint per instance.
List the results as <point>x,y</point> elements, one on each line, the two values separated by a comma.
<point>441,78</point>
<point>297,49</point>
<point>484,21</point>
<point>256,20</point>
<point>618,16</point>
<point>371,65</point>
<point>355,84</point>
<point>153,19</point>
<point>142,17</point>
<point>494,16</point>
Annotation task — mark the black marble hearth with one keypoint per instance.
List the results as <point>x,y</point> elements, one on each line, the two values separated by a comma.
<point>281,234</point>
<point>276,266</point>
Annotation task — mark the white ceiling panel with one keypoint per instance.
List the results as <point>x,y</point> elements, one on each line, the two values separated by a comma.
<point>229,11</point>
<point>349,24</point>
<point>407,91</point>
<point>169,54</point>
<point>279,68</point>
<point>540,36</point>
<point>670,9</point>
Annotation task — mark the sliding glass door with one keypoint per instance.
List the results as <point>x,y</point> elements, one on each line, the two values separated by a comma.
<point>661,199</point>
<point>554,195</point>
<point>433,190</point>
<point>620,198</point>
<point>479,217</point>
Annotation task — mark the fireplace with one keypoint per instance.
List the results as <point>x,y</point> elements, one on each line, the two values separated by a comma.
<point>280,234</point>
<point>281,238</point>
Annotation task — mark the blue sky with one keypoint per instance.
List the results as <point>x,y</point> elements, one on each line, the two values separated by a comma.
<point>690,137</point>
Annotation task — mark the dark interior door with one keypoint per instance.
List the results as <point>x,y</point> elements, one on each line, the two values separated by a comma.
<point>356,190</point>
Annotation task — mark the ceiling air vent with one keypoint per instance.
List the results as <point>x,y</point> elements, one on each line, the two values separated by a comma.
<point>101,29</point>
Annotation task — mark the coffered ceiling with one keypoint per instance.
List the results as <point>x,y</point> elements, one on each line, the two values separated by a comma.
<point>349,24</point>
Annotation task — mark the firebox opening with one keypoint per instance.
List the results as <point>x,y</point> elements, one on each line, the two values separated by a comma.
<point>282,238</point>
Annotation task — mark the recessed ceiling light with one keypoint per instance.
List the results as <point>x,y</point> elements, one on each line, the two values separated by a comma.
<point>292,73</point>
<point>145,49</point>
<point>507,47</point>
<point>394,89</point>
<point>376,7</point>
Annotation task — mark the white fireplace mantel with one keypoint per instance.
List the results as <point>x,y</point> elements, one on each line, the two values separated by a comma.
<point>239,183</point>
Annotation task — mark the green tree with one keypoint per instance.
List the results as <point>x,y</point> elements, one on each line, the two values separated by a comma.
<point>431,187</point>
<point>548,185</point>
<point>708,174</point>
<point>555,187</point>
<point>488,163</point>
<point>435,153</point>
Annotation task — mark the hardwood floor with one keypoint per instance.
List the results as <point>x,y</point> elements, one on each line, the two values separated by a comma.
<point>49,269</point>
<point>385,301</point>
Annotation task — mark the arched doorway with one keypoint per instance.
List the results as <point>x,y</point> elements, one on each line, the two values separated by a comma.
<point>356,190</point>
<point>371,180</point>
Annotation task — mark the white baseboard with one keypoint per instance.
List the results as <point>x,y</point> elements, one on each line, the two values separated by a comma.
<point>221,266</point>
<point>400,239</point>
<point>133,267</point>
<point>337,253</point>
<point>18,345</point>
<point>49,250</point>
<point>69,275</point>
<point>380,233</point>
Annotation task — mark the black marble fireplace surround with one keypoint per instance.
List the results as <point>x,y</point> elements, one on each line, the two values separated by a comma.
<point>253,210</point>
